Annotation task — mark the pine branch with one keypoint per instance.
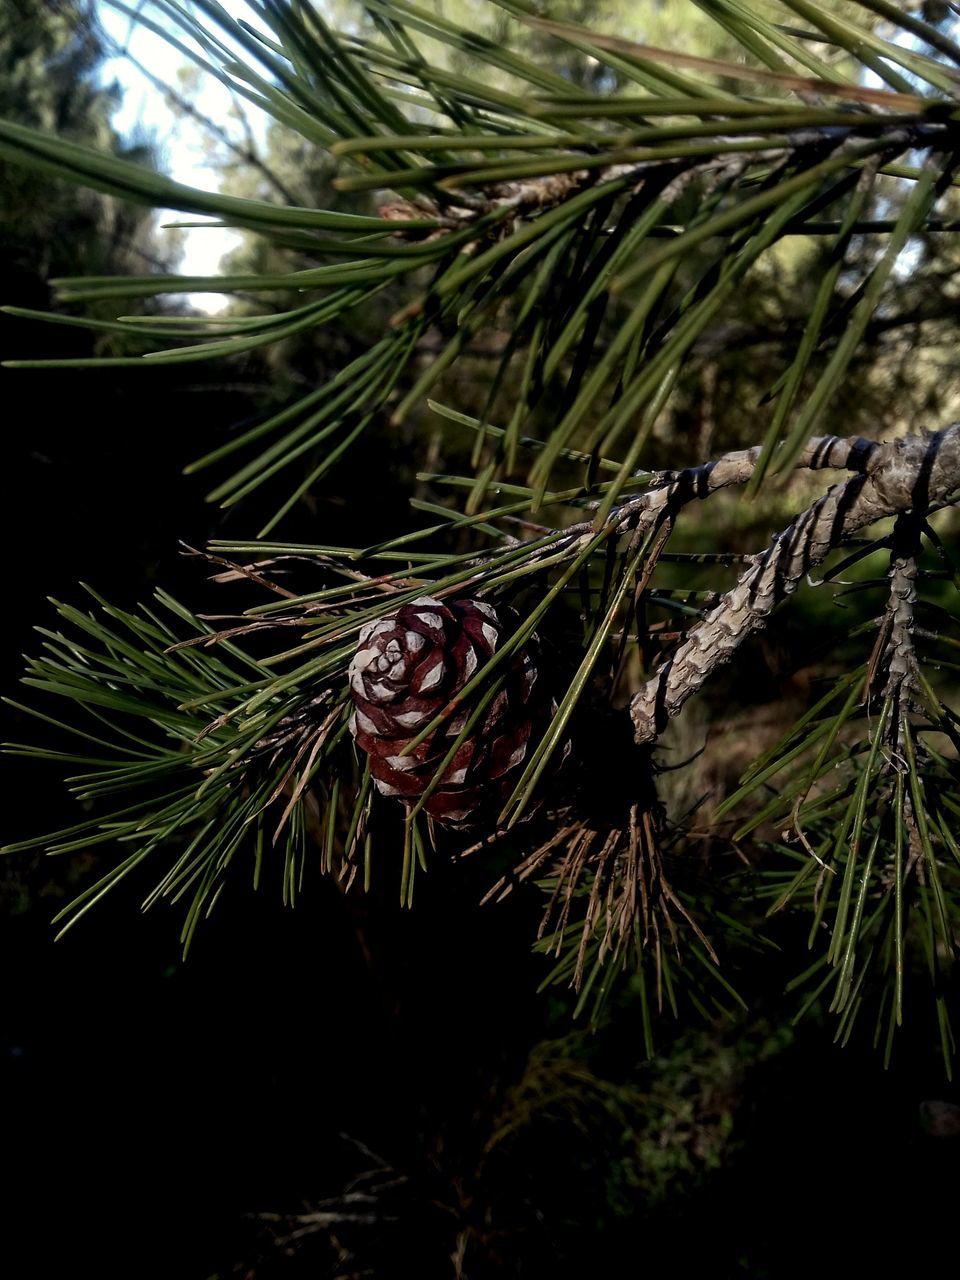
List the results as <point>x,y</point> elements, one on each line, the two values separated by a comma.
<point>863,785</point>
<point>604,236</point>
<point>547,201</point>
<point>905,475</point>
<point>894,653</point>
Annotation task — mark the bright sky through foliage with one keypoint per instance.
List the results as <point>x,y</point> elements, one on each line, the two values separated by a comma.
<point>182,142</point>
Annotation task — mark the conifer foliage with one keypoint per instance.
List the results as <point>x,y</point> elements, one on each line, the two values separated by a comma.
<point>418,697</point>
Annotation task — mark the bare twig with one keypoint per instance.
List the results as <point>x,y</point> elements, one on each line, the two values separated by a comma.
<point>906,475</point>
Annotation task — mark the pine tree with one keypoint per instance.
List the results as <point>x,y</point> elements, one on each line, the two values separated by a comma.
<point>506,678</point>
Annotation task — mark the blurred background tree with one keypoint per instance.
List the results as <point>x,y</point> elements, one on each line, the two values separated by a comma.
<point>388,1094</point>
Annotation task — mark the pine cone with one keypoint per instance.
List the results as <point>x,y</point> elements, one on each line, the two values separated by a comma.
<point>407,669</point>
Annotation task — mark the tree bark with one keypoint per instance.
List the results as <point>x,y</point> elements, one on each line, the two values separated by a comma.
<point>905,475</point>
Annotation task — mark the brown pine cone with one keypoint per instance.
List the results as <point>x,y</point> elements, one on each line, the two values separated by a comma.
<point>406,670</point>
